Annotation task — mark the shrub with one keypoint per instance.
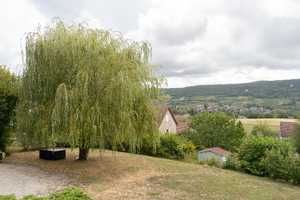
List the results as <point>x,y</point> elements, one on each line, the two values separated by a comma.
<point>32,197</point>
<point>294,170</point>
<point>285,167</point>
<point>232,162</point>
<point>68,194</point>
<point>297,137</point>
<point>8,100</point>
<point>7,197</point>
<point>150,144</point>
<point>212,162</point>
<point>277,165</point>
<point>267,156</point>
<point>174,147</point>
<point>253,150</point>
<point>188,147</point>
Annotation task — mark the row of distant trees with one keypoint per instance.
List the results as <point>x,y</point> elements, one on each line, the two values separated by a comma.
<point>252,115</point>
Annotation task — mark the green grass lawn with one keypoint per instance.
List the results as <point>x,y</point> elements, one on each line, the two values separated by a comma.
<point>109,175</point>
<point>274,123</point>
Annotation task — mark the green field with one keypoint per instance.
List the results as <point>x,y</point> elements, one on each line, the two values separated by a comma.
<point>273,123</point>
<point>113,175</point>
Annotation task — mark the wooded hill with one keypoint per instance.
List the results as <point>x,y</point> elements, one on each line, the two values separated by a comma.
<point>259,89</point>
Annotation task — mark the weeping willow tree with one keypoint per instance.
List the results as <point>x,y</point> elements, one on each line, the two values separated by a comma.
<point>86,87</point>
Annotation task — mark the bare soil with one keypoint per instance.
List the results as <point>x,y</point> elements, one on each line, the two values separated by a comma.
<point>23,180</point>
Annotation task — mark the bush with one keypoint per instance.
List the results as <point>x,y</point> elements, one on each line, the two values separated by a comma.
<point>174,147</point>
<point>67,194</point>
<point>7,197</point>
<point>8,100</point>
<point>212,162</point>
<point>253,150</point>
<point>150,144</point>
<point>232,162</point>
<point>32,197</point>
<point>267,156</point>
<point>166,146</point>
<point>276,164</point>
<point>188,147</point>
<point>297,137</point>
<point>294,170</point>
<point>285,167</point>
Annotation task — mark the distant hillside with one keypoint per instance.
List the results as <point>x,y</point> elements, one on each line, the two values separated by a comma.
<point>259,89</point>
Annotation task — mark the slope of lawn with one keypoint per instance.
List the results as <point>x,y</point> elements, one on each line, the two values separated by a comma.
<point>113,175</point>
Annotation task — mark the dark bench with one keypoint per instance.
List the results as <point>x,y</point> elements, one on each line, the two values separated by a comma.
<point>52,154</point>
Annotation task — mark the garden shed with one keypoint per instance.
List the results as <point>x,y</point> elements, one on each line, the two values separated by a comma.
<point>215,153</point>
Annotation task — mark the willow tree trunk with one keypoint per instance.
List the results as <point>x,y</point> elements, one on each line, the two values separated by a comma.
<point>83,153</point>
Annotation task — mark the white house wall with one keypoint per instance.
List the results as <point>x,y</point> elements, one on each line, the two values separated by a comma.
<point>168,124</point>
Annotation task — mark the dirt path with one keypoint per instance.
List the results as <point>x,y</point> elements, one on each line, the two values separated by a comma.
<point>23,180</point>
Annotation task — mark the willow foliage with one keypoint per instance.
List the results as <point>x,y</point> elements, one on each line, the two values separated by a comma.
<point>87,87</point>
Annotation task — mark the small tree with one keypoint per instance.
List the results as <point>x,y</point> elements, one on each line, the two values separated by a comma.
<point>216,129</point>
<point>8,99</point>
<point>86,87</point>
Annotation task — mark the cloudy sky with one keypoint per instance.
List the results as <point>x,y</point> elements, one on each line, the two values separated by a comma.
<point>193,42</point>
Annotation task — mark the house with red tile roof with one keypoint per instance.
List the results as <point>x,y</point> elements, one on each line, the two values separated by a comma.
<point>182,126</point>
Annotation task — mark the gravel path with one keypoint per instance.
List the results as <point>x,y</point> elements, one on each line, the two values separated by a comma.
<point>23,180</point>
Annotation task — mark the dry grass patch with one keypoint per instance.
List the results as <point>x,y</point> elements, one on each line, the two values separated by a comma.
<point>109,176</point>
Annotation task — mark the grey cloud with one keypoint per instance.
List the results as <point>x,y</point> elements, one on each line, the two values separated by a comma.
<point>282,33</point>
<point>280,39</point>
<point>185,32</point>
<point>175,68</point>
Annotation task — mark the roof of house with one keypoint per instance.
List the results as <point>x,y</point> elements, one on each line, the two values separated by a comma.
<point>162,112</point>
<point>217,150</point>
<point>182,126</point>
<point>287,128</point>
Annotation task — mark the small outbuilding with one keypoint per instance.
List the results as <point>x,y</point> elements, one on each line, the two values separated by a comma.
<point>215,153</point>
<point>287,129</point>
